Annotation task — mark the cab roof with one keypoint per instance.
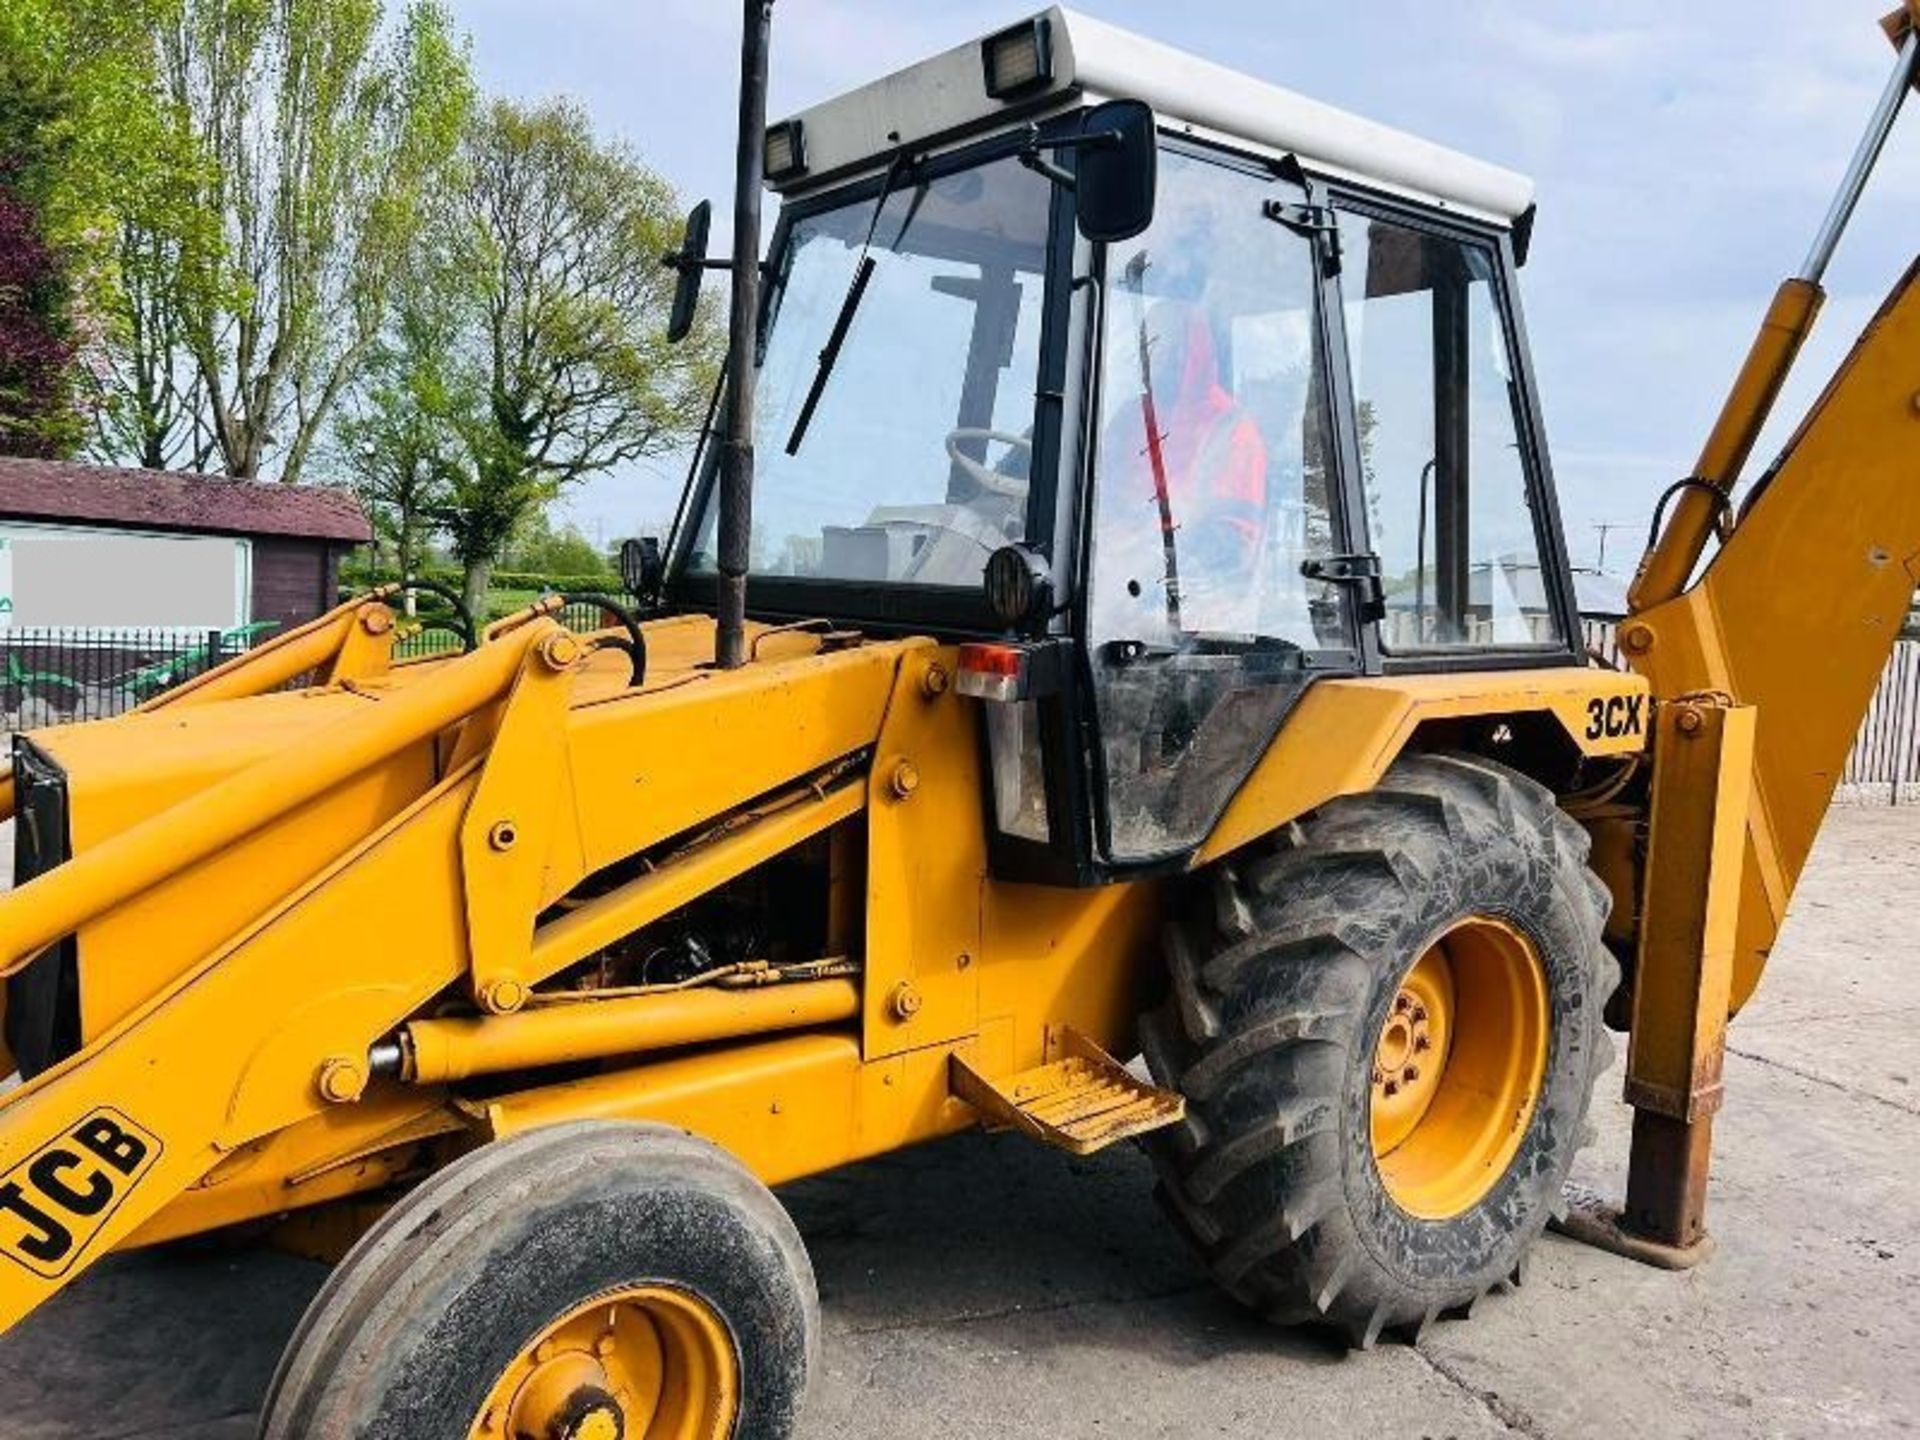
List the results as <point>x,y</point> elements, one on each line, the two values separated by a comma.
<point>945,98</point>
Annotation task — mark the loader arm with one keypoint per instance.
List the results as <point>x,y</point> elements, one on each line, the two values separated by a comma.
<point>505,778</point>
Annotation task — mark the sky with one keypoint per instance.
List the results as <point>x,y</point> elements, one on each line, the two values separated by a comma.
<point>1685,152</point>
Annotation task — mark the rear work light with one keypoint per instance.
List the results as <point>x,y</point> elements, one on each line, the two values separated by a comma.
<point>993,672</point>
<point>1019,59</point>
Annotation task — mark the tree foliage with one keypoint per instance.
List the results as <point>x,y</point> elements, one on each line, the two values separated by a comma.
<point>74,115</point>
<point>399,452</point>
<point>36,411</point>
<point>325,137</point>
<point>540,549</point>
<point>558,365</point>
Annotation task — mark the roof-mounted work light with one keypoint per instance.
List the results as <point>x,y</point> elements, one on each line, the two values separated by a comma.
<point>786,150</point>
<point>1019,59</point>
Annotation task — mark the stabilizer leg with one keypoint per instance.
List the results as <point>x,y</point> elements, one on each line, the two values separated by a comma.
<point>1702,791</point>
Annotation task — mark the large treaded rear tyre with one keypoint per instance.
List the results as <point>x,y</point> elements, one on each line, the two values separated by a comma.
<point>1284,978</point>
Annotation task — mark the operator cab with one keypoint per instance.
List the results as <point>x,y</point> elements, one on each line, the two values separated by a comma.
<point>1230,388</point>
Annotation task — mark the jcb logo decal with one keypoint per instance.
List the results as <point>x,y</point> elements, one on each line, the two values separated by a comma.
<point>53,1204</point>
<point>1614,717</point>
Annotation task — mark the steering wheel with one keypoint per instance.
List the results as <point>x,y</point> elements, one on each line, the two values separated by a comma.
<point>1009,485</point>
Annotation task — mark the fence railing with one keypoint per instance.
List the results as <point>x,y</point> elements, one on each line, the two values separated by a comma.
<point>1885,762</point>
<point>52,675</point>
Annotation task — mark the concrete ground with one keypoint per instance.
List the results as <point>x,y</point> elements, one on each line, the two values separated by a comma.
<point>987,1287</point>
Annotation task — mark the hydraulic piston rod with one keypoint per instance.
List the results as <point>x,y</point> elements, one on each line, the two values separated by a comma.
<point>1665,568</point>
<point>433,1052</point>
<point>1864,160</point>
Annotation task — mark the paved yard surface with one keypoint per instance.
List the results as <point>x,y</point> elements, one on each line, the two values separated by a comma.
<point>986,1287</point>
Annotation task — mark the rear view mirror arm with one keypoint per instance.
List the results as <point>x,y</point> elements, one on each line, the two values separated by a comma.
<point>1032,157</point>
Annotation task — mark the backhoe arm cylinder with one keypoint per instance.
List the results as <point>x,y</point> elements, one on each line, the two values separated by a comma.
<point>1665,568</point>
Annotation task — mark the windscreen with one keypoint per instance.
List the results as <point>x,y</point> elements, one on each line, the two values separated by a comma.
<point>912,466</point>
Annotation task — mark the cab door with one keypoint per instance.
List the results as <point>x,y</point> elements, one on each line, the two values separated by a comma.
<point>1216,587</point>
<point>1458,504</point>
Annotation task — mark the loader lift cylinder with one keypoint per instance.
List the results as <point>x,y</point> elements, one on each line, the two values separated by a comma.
<point>736,467</point>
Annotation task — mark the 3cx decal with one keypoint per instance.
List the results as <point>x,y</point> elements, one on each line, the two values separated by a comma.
<point>1612,717</point>
<point>55,1203</point>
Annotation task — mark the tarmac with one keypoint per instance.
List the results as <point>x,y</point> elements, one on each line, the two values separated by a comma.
<point>984,1286</point>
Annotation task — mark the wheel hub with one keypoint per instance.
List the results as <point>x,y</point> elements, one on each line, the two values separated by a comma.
<point>650,1363</point>
<point>1457,1068</point>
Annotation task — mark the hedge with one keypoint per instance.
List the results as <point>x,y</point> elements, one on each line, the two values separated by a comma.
<point>359,577</point>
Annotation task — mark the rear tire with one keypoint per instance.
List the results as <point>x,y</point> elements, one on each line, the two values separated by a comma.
<point>545,1285</point>
<point>1292,985</point>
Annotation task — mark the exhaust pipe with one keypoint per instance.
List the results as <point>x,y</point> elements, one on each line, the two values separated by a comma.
<point>736,455</point>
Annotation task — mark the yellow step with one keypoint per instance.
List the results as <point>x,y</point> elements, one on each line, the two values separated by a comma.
<point>1081,1102</point>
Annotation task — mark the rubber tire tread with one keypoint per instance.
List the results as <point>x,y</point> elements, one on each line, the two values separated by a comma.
<point>1280,969</point>
<point>417,1322</point>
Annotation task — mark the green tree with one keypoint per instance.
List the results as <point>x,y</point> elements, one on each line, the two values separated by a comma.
<point>78,124</point>
<point>394,441</point>
<point>323,137</point>
<point>560,367</point>
<point>539,549</point>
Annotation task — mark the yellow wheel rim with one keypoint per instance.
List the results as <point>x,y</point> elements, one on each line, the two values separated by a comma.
<point>1457,1068</point>
<point>648,1363</point>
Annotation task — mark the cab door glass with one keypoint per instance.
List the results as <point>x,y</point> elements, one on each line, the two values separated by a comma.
<point>1215,484</point>
<point>1450,511</point>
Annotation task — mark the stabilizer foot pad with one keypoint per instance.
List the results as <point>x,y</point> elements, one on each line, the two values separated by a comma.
<point>1081,1102</point>
<point>1593,1220</point>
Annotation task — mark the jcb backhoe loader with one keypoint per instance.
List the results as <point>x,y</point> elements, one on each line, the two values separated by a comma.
<point>1158,638</point>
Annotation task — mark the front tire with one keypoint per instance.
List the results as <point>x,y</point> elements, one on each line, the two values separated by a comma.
<point>1387,1024</point>
<point>586,1280</point>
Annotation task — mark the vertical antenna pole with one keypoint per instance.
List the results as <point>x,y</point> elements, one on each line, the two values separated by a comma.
<point>736,455</point>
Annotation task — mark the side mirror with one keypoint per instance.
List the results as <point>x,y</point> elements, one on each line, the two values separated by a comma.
<point>691,261</point>
<point>1119,171</point>
<point>642,568</point>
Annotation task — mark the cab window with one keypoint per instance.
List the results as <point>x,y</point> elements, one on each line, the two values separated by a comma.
<point>1449,508</point>
<point>911,466</point>
<point>1214,486</point>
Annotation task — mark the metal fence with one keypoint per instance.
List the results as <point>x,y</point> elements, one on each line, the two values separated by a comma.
<point>49,676</point>
<point>1885,764</point>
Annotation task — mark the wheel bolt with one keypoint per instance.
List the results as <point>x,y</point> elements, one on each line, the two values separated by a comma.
<point>1378,1075</point>
<point>1419,1014</point>
<point>1422,1042</point>
<point>1411,1074</point>
<point>1403,1002</point>
<point>1393,1087</point>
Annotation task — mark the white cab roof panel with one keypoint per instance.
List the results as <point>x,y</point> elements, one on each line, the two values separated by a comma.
<point>945,97</point>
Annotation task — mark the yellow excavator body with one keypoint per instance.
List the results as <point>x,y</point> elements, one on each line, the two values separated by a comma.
<point>317,867</point>
<point>503,964</point>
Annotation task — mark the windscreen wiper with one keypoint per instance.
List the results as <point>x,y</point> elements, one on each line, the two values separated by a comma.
<point>843,322</point>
